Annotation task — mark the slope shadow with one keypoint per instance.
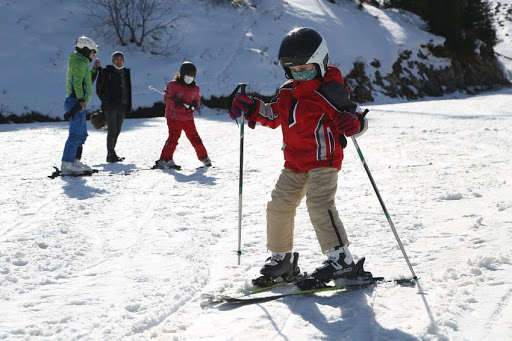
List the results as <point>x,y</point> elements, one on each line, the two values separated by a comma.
<point>77,188</point>
<point>199,176</point>
<point>118,167</point>
<point>356,321</point>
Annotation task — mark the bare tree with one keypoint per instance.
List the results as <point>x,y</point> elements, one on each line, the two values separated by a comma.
<point>147,24</point>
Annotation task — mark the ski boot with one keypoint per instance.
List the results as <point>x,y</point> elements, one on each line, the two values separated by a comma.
<point>280,267</point>
<point>339,263</point>
<point>71,168</point>
<point>84,167</point>
<point>207,162</point>
<point>362,278</point>
<point>113,158</point>
<point>161,164</point>
<point>340,268</point>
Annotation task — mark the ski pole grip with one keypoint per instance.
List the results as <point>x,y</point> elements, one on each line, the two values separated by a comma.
<point>242,88</point>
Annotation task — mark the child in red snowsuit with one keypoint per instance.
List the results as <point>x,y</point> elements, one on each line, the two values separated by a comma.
<point>182,98</point>
<point>315,113</point>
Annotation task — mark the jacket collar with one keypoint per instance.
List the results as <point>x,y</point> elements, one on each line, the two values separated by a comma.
<point>304,89</point>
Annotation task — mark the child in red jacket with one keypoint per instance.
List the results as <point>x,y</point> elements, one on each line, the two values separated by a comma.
<point>182,97</point>
<point>315,113</point>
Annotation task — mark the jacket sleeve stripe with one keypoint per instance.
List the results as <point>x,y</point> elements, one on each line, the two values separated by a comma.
<point>321,149</point>
<point>292,117</point>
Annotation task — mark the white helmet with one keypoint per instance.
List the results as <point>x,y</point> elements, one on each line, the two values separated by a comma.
<point>86,42</point>
<point>115,54</point>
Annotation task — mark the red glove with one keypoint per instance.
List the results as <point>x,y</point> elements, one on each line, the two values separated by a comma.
<point>243,104</point>
<point>347,123</point>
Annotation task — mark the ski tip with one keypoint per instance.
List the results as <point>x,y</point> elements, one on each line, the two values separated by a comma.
<point>411,282</point>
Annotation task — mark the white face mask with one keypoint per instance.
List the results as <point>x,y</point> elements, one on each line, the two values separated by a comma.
<point>188,79</point>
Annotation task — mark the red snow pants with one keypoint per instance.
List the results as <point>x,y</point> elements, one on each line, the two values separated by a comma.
<point>175,128</point>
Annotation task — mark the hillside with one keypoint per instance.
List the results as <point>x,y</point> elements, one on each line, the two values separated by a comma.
<point>229,45</point>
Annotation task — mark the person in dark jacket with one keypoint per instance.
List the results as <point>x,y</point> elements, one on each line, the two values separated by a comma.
<point>114,89</point>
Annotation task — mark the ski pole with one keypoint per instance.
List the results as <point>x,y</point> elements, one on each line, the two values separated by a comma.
<point>241,87</point>
<point>383,206</point>
<point>151,87</point>
<point>241,181</point>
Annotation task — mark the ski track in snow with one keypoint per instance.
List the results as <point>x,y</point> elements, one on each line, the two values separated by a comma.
<point>127,257</point>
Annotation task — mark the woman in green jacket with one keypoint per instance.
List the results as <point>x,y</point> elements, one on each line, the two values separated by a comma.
<point>79,81</point>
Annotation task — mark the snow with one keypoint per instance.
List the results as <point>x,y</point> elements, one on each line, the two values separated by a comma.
<point>129,257</point>
<point>113,257</point>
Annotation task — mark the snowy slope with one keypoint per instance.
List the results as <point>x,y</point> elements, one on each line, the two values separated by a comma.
<point>229,45</point>
<point>115,257</point>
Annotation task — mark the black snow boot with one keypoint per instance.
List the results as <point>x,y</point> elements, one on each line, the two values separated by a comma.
<point>112,157</point>
<point>339,264</point>
<point>279,264</point>
<point>278,268</point>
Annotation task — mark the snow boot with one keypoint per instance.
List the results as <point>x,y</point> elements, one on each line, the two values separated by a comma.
<point>84,167</point>
<point>161,164</point>
<point>70,168</point>
<point>112,158</point>
<point>339,264</point>
<point>207,162</point>
<point>280,267</point>
<point>279,264</point>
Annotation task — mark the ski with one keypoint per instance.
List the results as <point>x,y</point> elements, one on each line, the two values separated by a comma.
<point>127,172</point>
<point>242,300</point>
<point>175,167</point>
<point>179,168</point>
<point>260,297</point>
<point>301,284</point>
<point>57,173</point>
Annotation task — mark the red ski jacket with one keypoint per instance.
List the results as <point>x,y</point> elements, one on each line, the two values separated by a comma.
<point>176,95</point>
<point>305,112</point>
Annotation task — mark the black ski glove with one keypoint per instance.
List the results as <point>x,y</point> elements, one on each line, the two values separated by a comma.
<point>71,113</point>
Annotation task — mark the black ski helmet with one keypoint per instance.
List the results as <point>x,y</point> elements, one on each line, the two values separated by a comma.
<point>187,68</point>
<point>303,45</point>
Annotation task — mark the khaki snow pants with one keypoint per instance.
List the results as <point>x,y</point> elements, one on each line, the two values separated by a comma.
<point>319,186</point>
